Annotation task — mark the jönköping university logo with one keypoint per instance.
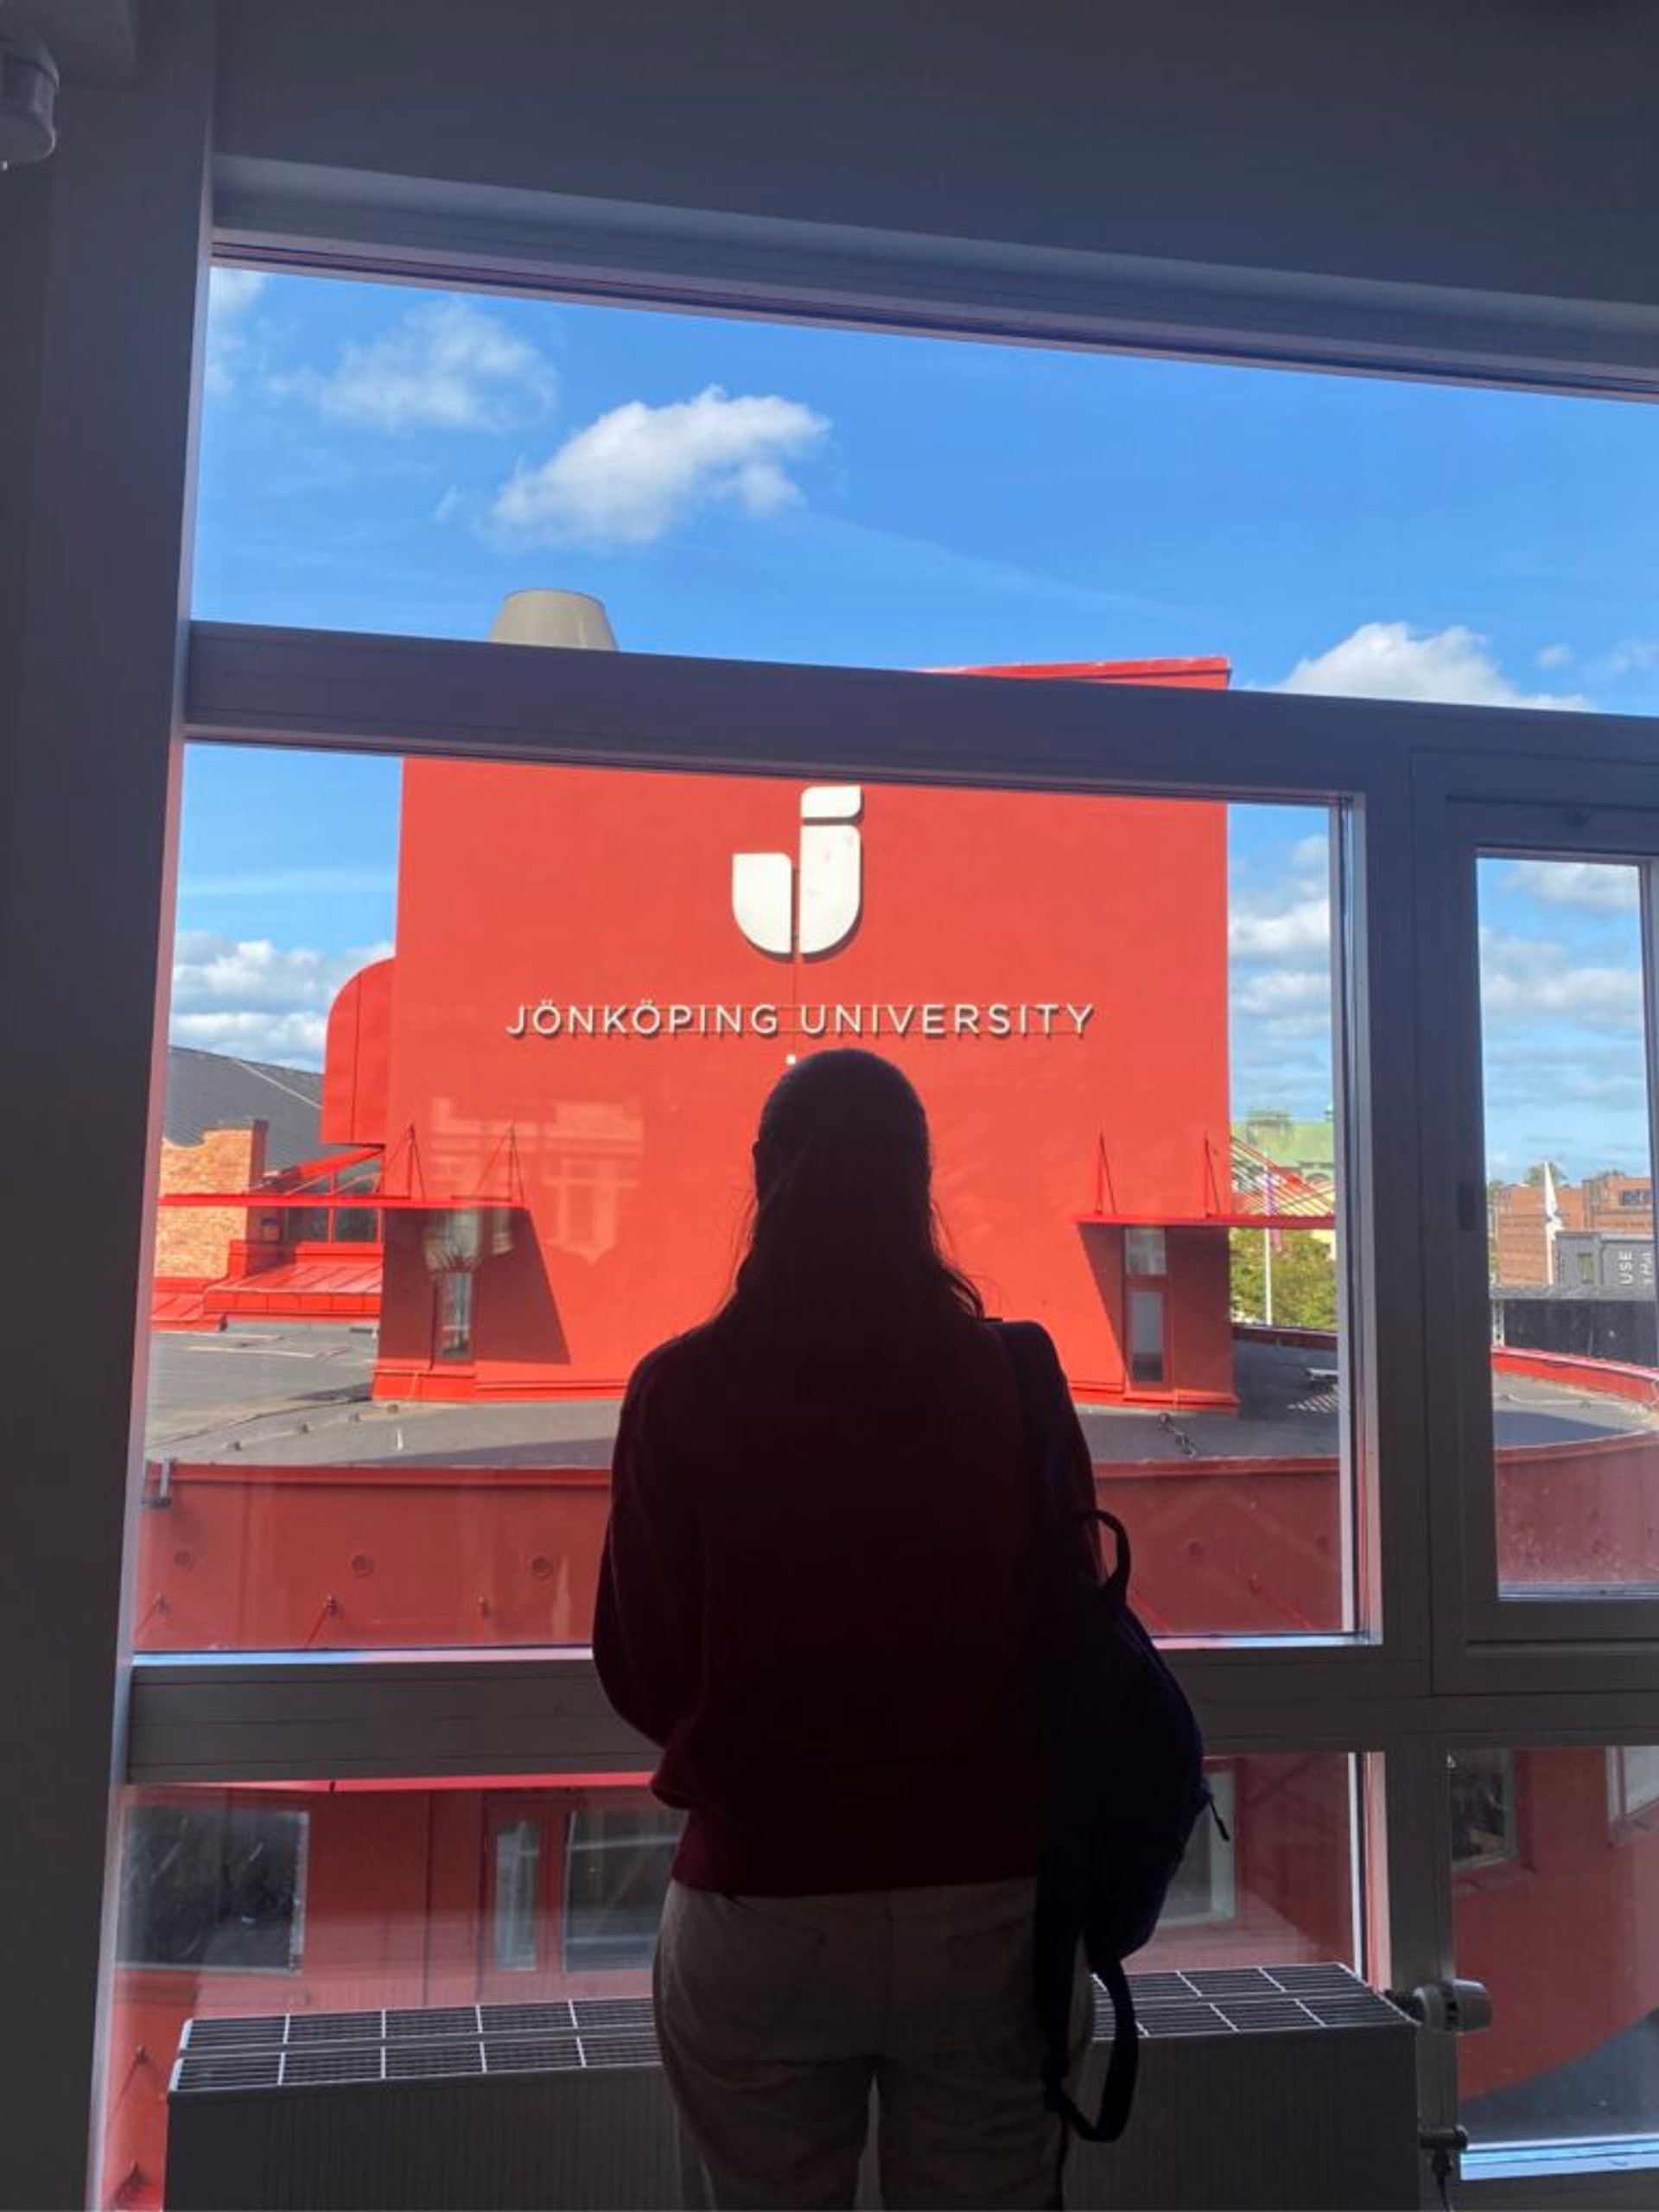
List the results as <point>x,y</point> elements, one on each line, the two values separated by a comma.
<point>812,911</point>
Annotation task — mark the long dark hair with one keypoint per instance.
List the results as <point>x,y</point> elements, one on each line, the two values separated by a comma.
<point>844,1245</point>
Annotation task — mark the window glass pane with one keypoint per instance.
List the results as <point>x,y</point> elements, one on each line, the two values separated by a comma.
<point>212,1885</point>
<point>1144,1250</point>
<point>1575,1351</point>
<point>454,1291</point>
<point>1562,1923</point>
<point>616,1872</point>
<point>417,1894</point>
<point>1484,1823</point>
<point>1147,1337</point>
<point>534,1021</point>
<point>375,457</point>
<point>334,1898</point>
<point>517,1894</point>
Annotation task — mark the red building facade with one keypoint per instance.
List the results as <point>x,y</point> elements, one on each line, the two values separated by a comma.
<point>564,1063</point>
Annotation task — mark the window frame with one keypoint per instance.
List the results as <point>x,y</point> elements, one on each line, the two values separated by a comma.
<point>184,1719</point>
<point>1465,1870</point>
<point>1623,1815</point>
<point>1387,1697</point>
<point>1588,807</point>
<point>173,1801</point>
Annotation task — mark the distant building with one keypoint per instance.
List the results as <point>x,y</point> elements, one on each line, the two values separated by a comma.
<point>1307,1149</point>
<point>248,1131</point>
<point>1528,1219</point>
<point>1574,1267</point>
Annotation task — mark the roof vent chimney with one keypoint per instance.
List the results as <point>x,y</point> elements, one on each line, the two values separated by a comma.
<point>553,618</point>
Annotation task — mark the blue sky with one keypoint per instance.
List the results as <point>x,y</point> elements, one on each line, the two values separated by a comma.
<point>378,458</point>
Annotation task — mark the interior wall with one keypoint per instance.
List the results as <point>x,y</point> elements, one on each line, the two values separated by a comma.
<point>1500,144</point>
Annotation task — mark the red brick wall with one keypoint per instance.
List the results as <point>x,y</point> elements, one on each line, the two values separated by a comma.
<point>194,1242</point>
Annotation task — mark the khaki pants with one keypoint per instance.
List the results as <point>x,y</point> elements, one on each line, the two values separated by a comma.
<point>778,2015</point>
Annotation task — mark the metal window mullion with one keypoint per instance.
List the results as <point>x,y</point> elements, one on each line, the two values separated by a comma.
<point>402,1716</point>
<point>1648,877</point>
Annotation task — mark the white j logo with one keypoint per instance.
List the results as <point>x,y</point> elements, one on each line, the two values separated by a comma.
<point>831,873</point>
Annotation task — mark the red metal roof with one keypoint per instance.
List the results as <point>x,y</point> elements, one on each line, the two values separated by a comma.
<point>319,1288</point>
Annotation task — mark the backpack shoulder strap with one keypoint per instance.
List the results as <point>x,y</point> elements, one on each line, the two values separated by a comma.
<point>1117,2090</point>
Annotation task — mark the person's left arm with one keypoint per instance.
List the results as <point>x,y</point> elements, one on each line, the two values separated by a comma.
<point>647,1618</point>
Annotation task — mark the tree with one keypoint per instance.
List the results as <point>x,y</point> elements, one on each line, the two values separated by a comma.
<point>1536,1173</point>
<point>1304,1279</point>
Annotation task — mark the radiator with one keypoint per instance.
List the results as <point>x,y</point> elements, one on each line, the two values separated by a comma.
<point>1289,2087</point>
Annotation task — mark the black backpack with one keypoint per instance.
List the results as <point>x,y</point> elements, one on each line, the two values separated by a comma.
<point>1123,1759</point>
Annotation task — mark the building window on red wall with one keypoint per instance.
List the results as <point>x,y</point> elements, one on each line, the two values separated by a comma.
<point>1146,1361</point>
<point>1485,1827</point>
<point>213,1885</point>
<point>1206,1887</point>
<point>1633,1782</point>
<point>617,1861</point>
<point>1145,1269</point>
<point>452,1333</point>
<point>1145,1253</point>
<point>516,1920</point>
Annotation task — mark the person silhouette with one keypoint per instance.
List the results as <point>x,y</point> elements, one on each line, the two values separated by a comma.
<point>810,1599</point>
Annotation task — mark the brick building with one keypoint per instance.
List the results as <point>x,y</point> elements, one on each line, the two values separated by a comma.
<point>1613,1205</point>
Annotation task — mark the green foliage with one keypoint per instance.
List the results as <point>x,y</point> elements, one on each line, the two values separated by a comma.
<point>1304,1279</point>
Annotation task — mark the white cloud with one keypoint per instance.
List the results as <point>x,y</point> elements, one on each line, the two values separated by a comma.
<point>230,293</point>
<point>630,477</point>
<point>248,995</point>
<point>1390,660</point>
<point>1279,950</point>
<point>444,366</point>
<point>1635,655</point>
<point>1555,656</point>
<point>1286,1002</point>
<point>1594,886</point>
<point>1310,857</point>
<point>1301,927</point>
<point>285,1039</point>
<point>1532,979</point>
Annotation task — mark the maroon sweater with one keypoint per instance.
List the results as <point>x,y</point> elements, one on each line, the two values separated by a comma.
<point>810,1600</point>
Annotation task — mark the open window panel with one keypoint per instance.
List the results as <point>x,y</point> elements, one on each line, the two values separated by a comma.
<point>459,1124</point>
<point>1552,1070</point>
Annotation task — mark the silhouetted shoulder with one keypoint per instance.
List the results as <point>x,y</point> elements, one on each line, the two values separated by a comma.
<point>679,1362</point>
<point>992,1326</point>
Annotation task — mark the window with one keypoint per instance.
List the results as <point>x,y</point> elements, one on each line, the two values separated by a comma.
<point>1242,1213</point>
<point>617,1870</point>
<point>1565,1031</point>
<point>562,1171</point>
<point>515,1926</point>
<point>1145,1251</point>
<point>1632,1780</point>
<point>1145,1337</point>
<point>1484,1828</point>
<point>1205,1891</point>
<point>455,1294</point>
<point>217,1884</point>
<point>369,1893</point>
